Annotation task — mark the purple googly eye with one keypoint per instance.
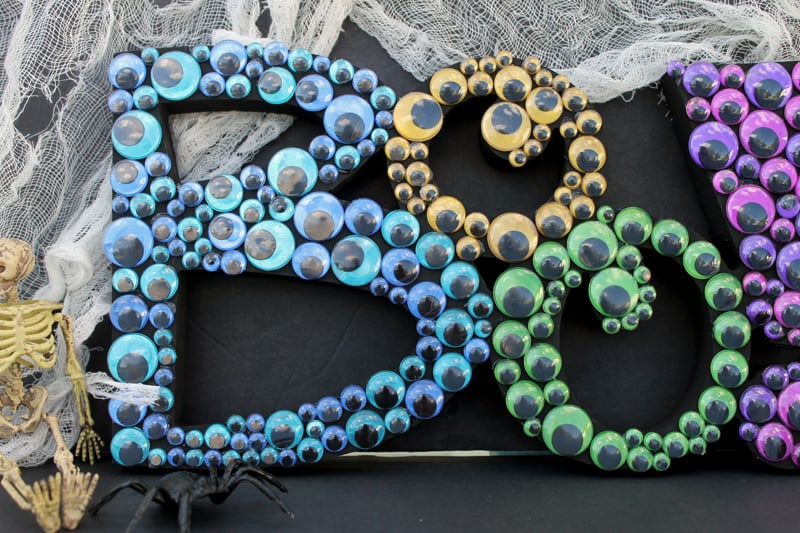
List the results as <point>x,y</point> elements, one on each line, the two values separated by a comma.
<point>698,109</point>
<point>794,337</point>
<point>788,206</point>
<point>701,79</point>
<point>773,330</point>
<point>713,146</point>
<point>748,432</point>
<point>796,75</point>
<point>750,209</point>
<point>729,106</point>
<point>792,111</point>
<point>758,404</point>
<point>759,312</point>
<point>789,406</point>
<point>675,69</point>
<point>774,442</point>
<point>757,253</point>
<point>788,265</point>
<point>775,288</point>
<point>787,309</point>
<point>732,76</point>
<point>754,283</point>
<point>796,456</point>
<point>782,230</point>
<point>794,370</point>
<point>747,166</point>
<point>775,377</point>
<point>793,149</point>
<point>725,181</point>
<point>778,175</point>
<point>768,85</point>
<point>763,134</point>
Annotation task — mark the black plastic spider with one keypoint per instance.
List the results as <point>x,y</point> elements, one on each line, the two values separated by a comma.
<point>179,489</point>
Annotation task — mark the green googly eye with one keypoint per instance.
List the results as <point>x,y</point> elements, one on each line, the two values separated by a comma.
<point>556,289</point>
<point>613,292</point>
<point>608,450</point>
<point>567,430</point>
<point>541,326</point>
<point>551,260</point>
<point>629,257</point>
<point>691,424</point>
<point>634,438</point>
<point>729,369</point>
<point>556,392</point>
<point>542,362</point>
<point>642,274</point>
<point>518,292</point>
<point>701,260</point>
<point>647,294</point>
<point>532,427</point>
<point>592,245</point>
<point>640,459</point>
<point>711,434</point>
<point>630,322</point>
<point>524,400</point>
<point>573,279</point>
<point>605,213</point>
<point>633,225</point>
<point>653,441</point>
<point>661,462</point>
<point>507,372</point>
<point>731,330</point>
<point>511,339</point>
<point>670,238</point>
<point>675,444</point>
<point>552,306</point>
<point>644,311</point>
<point>697,446</point>
<point>717,405</point>
<point>612,325</point>
<point>723,292</point>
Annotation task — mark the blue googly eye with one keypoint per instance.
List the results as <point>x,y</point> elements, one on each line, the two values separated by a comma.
<point>311,260</point>
<point>120,205</point>
<point>159,283</point>
<point>127,242</point>
<point>252,211</point>
<point>163,189</point>
<point>126,71</point>
<point>175,76</point>
<point>190,229</point>
<point>366,148</point>
<point>435,250</point>
<point>202,246</point>
<point>321,64</point>
<point>128,313</point>
<point>429,348</point>
<point>347,157</point>
<point>145,98</point>
<point>322,147</point>
<point>136,134</point>
<point>353,398</point>
<point>155,426</point>
<point>383,98</point>
<point>132,358</point>
<point>265,194</point>
<point>128,177</point>
<point>454,328</point>
<point>341,71</point>
<point>254,69</point>
<point>400,266</point>
<point>398,295</point>
<point>276,53</point>
<point>175,208</point>
<point>426,300</point>
<point>164,229</point>
<point>334,439</point>
<point>238,87</point>
<point>226,231</point>
<point>224,193</point>
<point>400,229</point>
<point>142,205</point>
<point>252,177</point>
<point>424,399</point>
<point>379,287</point>
<point>460,280</point>
<point>191,193</point>
<point>363,216</point>
<point>126,414</point>
<point>125,280</point>
<point>397,421</point>
<point>269,245</point>
<point>385,390</point>
<point>176,248</point>
<point>161,316</point>
<point>176,457</point>
<point>212,84</point>
<point>300,60</point>
<point>292,172</point>
<point>228,57</point>
<point>365,80</point>
<point>281,208</point>
<point>329,409</point>
<point>319,216</point>
<point>426,326</point>
<point>313,93</point>
<point>201,53</point>
<point>233,262</point>
<point>158,164</point>
<point>328,174</point>
<point>120,101</point>
<point>163,377</point>
<point>384,119</point>
<point>355,260</point>
<point>477,351</point>
<point>452,372</point>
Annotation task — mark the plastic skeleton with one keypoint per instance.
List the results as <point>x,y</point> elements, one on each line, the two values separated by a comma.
<point>27,340</point>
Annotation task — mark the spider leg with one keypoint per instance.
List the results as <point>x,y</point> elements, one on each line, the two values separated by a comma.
<point>138,486</point>
<point>263,485</point>
<point>148,497</point>
<point>185,513</point>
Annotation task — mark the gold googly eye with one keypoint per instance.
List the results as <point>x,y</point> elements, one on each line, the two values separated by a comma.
<point>488,65</point>
<point>480,84</point>
<point>397,149</point>
<point>468,67</point>
<point>532,65</point>
<point>568,129</point>
<point>418,117</point>
<point>589,122</point>
<point>403,192</point>
<point>448,86</point>
<point>594,185</point>
<point>582,207</point>
<point>396,172</point>
<point>563,196</point>
<point>544,105</point>
<point>560,83</point>
<point>532,148</point>
<point>512,237</point>
<point>517,158</point>
<point>571,179</point>
<point>418,174</point>
<point>513,84</point>
<point>542,133</point>
<point>504,58</point>
<point>476,225</point>
<point>586,154</point>
<point>468,248</point>
<point>446,214</point>
<point>505,126</point>
<point>575,99</point>
<point>415,206</point>
<point>543,78</point>
<point>419,151</point>
<point>429,192</point>
<point>553,220</point>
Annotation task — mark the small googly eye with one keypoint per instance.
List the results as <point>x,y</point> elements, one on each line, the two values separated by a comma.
<point>567,430</point>
<point>759,312</point>
<point>789,406</point>
<point>691,424</point>
<point>594,185</point>
<point>460,280</point>
<point>454,328</point>
<point>758,404</point>
<point>788,265</point>
<point>613,292</point>
<point>701,79</point>
<point>512,237</point>
<point>723,292</point>
<point>511,339</point>
<point>400,266</point>
<point>717,405</point>
<point>276,86</point>
<point>480,84</point>
<point>224,193</point>
<point>776,377</point>
<point>164,229</point>
<point>747,167</point>
<point>363,216</point>
<point>505,126</point>
<point>757,253</point>
<point>313,93</point>
<point>299,60</point>
<point>435,250</point>
<point>542,362</point>
<point>126,71</point>
<point>175,75</point>
<point>518,293</point>
<point>586,154</point>
<point>448,86</point>
<point>608,450</point>
<point>698,109</point>
<point>417,116</point>
<point>418,174</point>
<point>556,392</point>
<point>385,390</point>
<point>544,105</point>
<point>425,299</point>
<point>731,330</point>
<point>531,64</point>
<point>275,53</point>
<point>791,112</point>
<point>468,66</point>
<point>355,260</point>
<point>774,442</point>
<point>787,309</point>
<point>725,181</point>
<point>731,76</point>
<point>269,245</point>
<point>575,99</point>
<point>730,106</point>
<point>551,260</point>
<point>400,229</point>
<point>513,84</point>
<point>553,220</point>
<point>581,207</point>
<point>228,57</point>
<point>212,84</point>
<point>524,400</point>
<point>506,372</point>
<point>629,257</point>
<point>341,71</point>
<point>128,177</point>
<point>592,245</point>
<point>670,238</point>
<point>675,444</point>
<point>120,101</point>
<point>383,98</point>
<point>782,230</point>
<point>452,372</point>
<point>589,122</point>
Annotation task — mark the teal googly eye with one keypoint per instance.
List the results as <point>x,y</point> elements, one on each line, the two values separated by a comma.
<point>717,405</point>
<point>567,430</point>
<point>252,211</point>
<point>731,330</point>
<point>723,292</point>
<point>341,71</point>
<point>238,86</point>
<point>163,189</point>
<point>145,98</point>
<point>670,238</point>
<point>355,260</point>
<point>613,292</point>
<point>653,441</point>
<point>691,424</point>
<point>400,229</point>
<point>454,328</point>
<point>224,193</point>
<point>435,250</point>
<point>281,208</point>
<point>511,339</point>
<point>592,245</point>
<point>629,257</point>
<point>125,280</point>
<point>640,459</point>
<point>556,392</point>
<point>701,260</point>
<point>452,372</point>
<point>633,225</point>
<point>130,447</point>
<point>142,205</point>
<point>608,450</point>
<point>507,372</point>
<point>412,368</point>
<point>551,260</point>
<point>729,369</point>
<point>159,282</point>
<point>132,358</point>
<point>299,60</point>
<point>524,400</point>
<point>541,326</point>
<point>175,75</point>
<point>518,292</point>
<point>460,280</point>
<point>542,362</point>
<point>385,390</point>
<point>365,430</point>
<point>480,305</point>
<point>532,427</point>
<point>276,86</point>
<point>136,134</point>
<point>675,444</point>
<point>292,172</point>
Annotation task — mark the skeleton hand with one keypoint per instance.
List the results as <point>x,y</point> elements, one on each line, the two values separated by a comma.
<point>45,503</point>
<point>76,493</point>
<point>89,444</point>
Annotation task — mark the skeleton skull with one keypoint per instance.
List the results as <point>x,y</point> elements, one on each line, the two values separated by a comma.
<point>16,262</point>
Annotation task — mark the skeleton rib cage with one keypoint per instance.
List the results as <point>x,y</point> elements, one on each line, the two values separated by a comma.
<point>26,333</point>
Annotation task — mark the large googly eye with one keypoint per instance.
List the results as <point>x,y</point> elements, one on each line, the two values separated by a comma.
<point>768,85</point>
<point>774,442</point>
<point>269,245</point>
<point>460,280</point>
<point>713,146</point>
<point>435,250</point>
<point>126,71</point>
<point>480,84</point>
<point>729,368</point>
<point>448,86</point>
<point>283,429</point>
<point>426,300</point>
<point>613,292</point>
<point>512,237</point>
<point>505,126</point>
<point>763,134</point>
<point>128,313</point>
<point>313,93</point>
<point>363,216</point>
<point>524,400</point>
<point>454,328</point>
<point>424,399</point>
<point>175,76</point>
<point>717,405</point>
<point>788,265</point>
<point>787,309</point>
<point>356,260</point>
<point>136,134</point>
<point>567,430</point>
<point>319,216</point>
<point>789,406</point>
<point>551,260</point>
<point>348,119</point>
<point>723,292</point>
<point>670,238</point>
<point>518,293</point>
<point>609,450</point>
<point>417,116</point>
<point>276,85</point>
<point>292,172</point>
<point>701,79</point>
<point>400,229</point>
<point>544,105</point>
<point>592,245</point>
<point>758,404</point>
<point>132,358</point>
<point>730,106</point>
<point>224,193</point>
<point>633,225</point>
<point>128,242</point>
<point>731,330</point>
<point>130,447</point>
<point>757,253</point>
<point>554,220</point>
<point>385,390</point>
<point>586,154</point>
<point>513,84</point>
<point>228,57</point>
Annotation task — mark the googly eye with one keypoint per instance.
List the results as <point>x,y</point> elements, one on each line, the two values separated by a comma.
<point>128,242</point>
<point>424,399</point>
<point>446,214</point>
<point>776,377</point>
<point>238,86</point>
<point>164,229</point>
<point>448,86</point>
<point>518,293</point>
<point>723,292</point>
<point>120,101</point>
<point>768,85</point>
<point>385,390</point>
<point>212,84</point>
<point>524,400</point>
<point>553,220</point>
<point>429,348</point>
<point>782,230</point>
<point>128,177</point>
<point>363,216</point>
<point>731,330</point>
<point>313,93</point>
<point>759,312</point>
<point>460,280</point>
<point>717,405</point>
<point>400,266</point>
<point>126,71</point>
<point>128,313</point>
<point>130,447</point>
<point>292,172</point>
<point>281,208</point>
<point>507,372</point>
<point>145,98</point>
<point>592,245</point>
<point>730,106</point>
<point>454,328</point>
<point>452,372</point>
<point>480,84</point>
<point>319,216</point>
<point>788,265</point>
<point>542,362</point>
<point>691,424</point>
<point>701,79</point>
<point>126,414</point>
<point>275,53</point>
<point>400,229</point>
<point>791,113</point>
<point>348,119</point>
<point>132,358</point>
<point>789,406</point>
<point>513,84</point>
<point>341,71</point>
<point>608,450</point>
<point>283,429</point>
<point>175,75</point>
<point>426,300</point>
<point>567,430</point>
<point>142,205</point>
<point>355,260</point>
<point>228,57</point>
<point>713,146</point>
<point>417,116</point>
<point>124,280</point>
<point>512,237</point>
<point>277,86</point>
<point>575,99</point>
<point>774,442</point>
<point>586,154</point>
<point>136,134</point>
<point>731,76</point>
<point>190,229</point>
<point>758,404</point>
<point>670,238</point>
<point>511,339</point>
<point>613,292</point>
<point>311,260</point>
<point>544,105</point>
<point>763,134</point>
<point>435,250</point>
<point>757,253</point>
<point>269,245</point>
<point>725,181</point>
<point>698,109</point>
<point>778,175</point>
<point>787,309</point>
